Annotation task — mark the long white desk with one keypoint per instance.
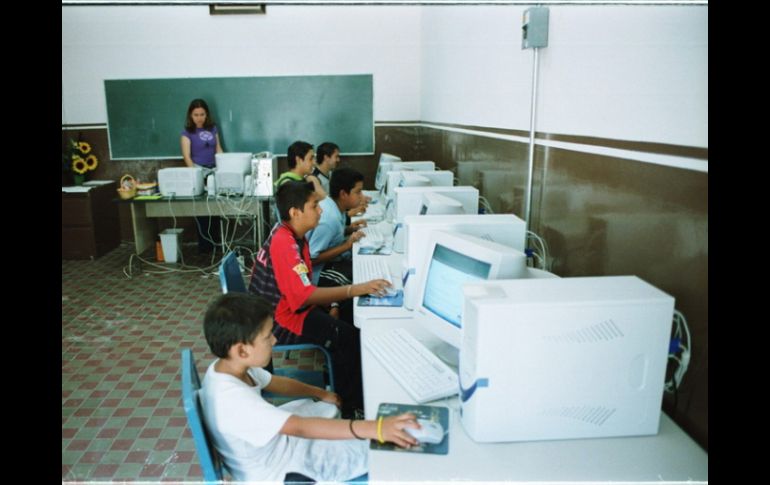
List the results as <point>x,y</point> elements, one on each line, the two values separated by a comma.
<point>671,455</point>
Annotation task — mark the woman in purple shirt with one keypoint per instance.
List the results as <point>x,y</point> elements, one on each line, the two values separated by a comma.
<point>200,138</point>
<point>200,142</point>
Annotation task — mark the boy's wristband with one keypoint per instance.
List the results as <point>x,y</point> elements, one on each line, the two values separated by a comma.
<point>379,431</point>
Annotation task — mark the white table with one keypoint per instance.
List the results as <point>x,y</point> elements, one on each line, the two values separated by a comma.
<point>671,455</point>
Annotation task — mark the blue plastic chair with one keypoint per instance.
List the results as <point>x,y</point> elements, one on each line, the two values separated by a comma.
<point>231,279</point>
<point>210,462</point>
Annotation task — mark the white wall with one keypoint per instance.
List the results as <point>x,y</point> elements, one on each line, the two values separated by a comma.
<point>101,43</point>
<point>633,73</point>
<point>627,72</point>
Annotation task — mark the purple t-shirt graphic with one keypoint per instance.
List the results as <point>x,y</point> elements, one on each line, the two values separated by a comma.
<point>203,146</point>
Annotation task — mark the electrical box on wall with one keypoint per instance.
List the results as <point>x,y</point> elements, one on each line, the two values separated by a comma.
<point>534,28</point>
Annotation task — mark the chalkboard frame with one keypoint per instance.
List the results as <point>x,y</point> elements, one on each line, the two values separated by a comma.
<point>145,117</point>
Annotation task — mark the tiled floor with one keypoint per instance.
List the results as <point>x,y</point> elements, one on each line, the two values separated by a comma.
<point>122,416</point>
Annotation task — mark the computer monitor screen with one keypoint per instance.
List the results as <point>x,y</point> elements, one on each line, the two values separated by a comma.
<point>456,259</point>
<point>447,272</point>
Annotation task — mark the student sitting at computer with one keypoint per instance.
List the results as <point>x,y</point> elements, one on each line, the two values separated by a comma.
<point>327,159</point>
<point>329,248</point>
<point>259,441</point>
<point>282,274</point>
<point>300,158</point>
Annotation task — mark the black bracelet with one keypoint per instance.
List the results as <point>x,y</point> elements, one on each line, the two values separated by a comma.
<point>353,432</point>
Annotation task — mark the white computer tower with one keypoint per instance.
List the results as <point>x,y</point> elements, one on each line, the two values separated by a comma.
<point>563,358</point>
<point>264,168</point>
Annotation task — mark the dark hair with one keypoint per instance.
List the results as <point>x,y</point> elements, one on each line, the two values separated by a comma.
<point>234,318</point>
<point>189,124</point>
<point>292,194</point>
<point>297,149</point>
<point>325,149</point>
<point>344,179</point>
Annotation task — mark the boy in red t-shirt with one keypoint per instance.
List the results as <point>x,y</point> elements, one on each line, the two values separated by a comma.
<point>282,273</point>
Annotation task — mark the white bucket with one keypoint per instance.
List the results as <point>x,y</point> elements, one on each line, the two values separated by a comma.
<point>169,239</point>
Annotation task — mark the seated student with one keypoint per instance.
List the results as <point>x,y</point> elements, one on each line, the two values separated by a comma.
<point>262,442</point>
<point>282,274</point>
<point>327,241</point>
<point>329,249</point>
<point>300,158</point>
<point>327,159</point>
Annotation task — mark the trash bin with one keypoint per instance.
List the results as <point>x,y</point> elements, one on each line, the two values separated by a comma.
<point>170,240</point>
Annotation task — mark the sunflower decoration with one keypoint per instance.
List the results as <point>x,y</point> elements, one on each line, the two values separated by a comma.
<point>80,158</point>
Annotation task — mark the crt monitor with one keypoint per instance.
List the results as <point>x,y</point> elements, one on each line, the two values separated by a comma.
<point>409,200</point>
<point>386,160</point>
<point>417,178</point>
<point>456,259</point>
<point>401,166</point>
<point>400,178</point>
<point>434,203</point>
<point>233,162</point>
<point>506,229</point>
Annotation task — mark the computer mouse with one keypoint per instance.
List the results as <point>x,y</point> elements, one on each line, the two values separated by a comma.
<point>430,433</point>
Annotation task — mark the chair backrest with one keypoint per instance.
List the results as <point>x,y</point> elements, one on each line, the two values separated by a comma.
<point>209,458</point>
<point>231,280</point>
<point>230,277</point>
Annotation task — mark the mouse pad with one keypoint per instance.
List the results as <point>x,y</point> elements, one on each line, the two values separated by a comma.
<point>395,300</point>
<point>434,413</point>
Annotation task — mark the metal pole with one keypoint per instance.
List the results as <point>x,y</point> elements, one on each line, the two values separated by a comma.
<point>532,117</point>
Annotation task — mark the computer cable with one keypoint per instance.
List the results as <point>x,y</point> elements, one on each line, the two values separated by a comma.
<point>540,252</point>
<point>683,348</point>
<point>485,204</point>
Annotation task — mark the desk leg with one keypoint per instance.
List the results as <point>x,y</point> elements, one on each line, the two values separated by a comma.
<point>145,230</point>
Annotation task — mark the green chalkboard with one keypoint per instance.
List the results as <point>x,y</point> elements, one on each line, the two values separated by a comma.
<point>146,116</point>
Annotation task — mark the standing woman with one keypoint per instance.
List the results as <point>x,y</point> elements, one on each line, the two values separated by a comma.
<point>200,142</point>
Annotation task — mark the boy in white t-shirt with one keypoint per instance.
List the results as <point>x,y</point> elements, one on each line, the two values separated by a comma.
<point>259,441</point>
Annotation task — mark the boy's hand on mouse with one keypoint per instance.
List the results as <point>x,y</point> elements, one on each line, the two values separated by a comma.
<point>331,398</point>
<point>358,224</point>
<point>355,237</point>
<point>377,287</point>
<point>393,430</point>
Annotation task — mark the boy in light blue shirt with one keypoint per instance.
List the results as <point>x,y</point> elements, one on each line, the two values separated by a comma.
<point>330,244</point>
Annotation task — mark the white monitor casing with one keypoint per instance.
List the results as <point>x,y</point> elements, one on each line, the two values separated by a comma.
<point>504,262</point>
<point>506,229</point>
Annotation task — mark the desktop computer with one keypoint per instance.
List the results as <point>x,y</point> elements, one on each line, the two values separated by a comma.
<point>418,178</point>
<point>563,358</point>
<point>231,172</point>
<point>383,167</point>
<point>410,201</point>
<point>505,229</point>
<point>456,259</point>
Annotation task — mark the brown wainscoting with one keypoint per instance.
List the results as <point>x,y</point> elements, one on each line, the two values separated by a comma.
<point>602,215</point>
